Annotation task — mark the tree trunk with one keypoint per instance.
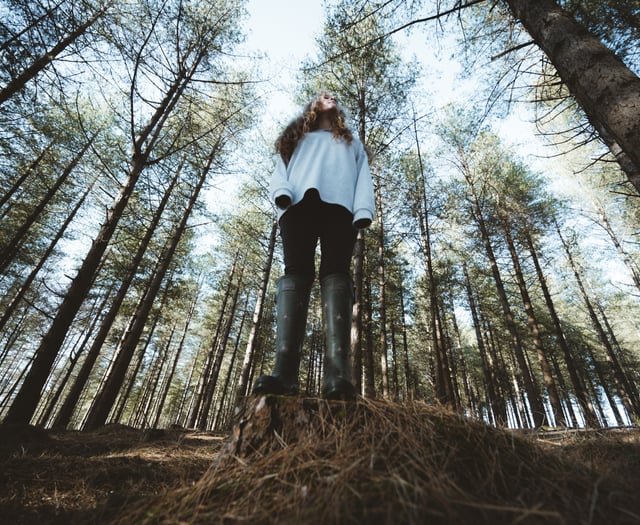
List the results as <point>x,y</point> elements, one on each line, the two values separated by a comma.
<point>628,262</point>
<point>9,251</point>
<point>369,366</point>
<point>42,61</point>
<point>606,89</point>
<point>212,380</point>
<point>203,382</point>
<point>24,287</point>
<point>64,415</point>
<point>532,321</point>
<point>357,352</point>
<point>382,291</point>
<point>19,182</point>
<point>496,402</point>
<point>107,396</point>
<point>74,356</point>
<point>169,376</point>
<point>523,370</point>
<point>579,387</point>
<point>227,397</point>
<point>444,386</point>
<point>243,387</point>
<point>632,404</point>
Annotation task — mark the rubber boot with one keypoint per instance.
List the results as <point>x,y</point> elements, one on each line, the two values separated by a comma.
<point>292,302</point>
<point>337,301</point>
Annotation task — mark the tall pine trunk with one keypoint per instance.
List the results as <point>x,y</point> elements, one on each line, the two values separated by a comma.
<point>9,251</point>
<point>64,414</point>
<point>106,397</point>
<point>625,391</point>
<point>40,63</point>
<point>606,89</point>
<point>579,387</point>
<point>532,321</point>
<point>250,349</point>
<point>523,370</point>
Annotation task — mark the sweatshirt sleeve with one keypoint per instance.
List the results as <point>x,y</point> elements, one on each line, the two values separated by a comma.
<point>279,185</point>
<point>363,199</point>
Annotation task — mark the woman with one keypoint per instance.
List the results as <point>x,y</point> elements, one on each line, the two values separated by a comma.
<point>322,190</point>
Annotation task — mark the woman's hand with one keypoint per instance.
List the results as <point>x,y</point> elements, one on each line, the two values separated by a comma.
<point>362,223</point>
<point>283,202</point>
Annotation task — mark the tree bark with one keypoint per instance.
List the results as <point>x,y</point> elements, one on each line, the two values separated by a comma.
<point>26,400</point>
<point>523,370</point>
<point>496,402</point>
<point>45,59</point>
<point>632,404</point>
<point>382,290</point>
<point>220,350</point>
<point>9,251</point>
<point>606,89</point>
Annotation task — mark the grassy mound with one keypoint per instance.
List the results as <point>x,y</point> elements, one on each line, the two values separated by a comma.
<point>293,461</point>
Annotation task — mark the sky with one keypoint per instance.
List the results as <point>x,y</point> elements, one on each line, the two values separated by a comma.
<point>285,31</point>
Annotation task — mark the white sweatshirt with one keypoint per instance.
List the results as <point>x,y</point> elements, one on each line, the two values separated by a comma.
<point>339,171</point>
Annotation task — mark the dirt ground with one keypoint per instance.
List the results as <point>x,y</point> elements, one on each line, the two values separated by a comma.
<point>87,477</point>
<point>66,477</point>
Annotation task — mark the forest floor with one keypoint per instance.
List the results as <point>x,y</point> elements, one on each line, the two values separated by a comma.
<point>64,477</point>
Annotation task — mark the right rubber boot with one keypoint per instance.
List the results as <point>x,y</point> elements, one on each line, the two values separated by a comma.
<point>292,303</point>
<point>337,302</point>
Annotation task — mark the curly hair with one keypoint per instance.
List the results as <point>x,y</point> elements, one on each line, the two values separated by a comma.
<point>287,141</point>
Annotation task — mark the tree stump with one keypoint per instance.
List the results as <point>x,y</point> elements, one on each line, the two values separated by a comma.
<point>267,423</point>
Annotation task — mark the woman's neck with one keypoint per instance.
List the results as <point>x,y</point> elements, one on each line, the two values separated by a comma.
<point>324,122</point>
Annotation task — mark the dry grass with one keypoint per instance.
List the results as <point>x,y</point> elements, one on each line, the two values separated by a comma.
<point>86,477</point>
<point>293,461</point>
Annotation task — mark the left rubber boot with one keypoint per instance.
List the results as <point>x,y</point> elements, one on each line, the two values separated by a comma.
<point>337,302</point>
<point>292,303</point>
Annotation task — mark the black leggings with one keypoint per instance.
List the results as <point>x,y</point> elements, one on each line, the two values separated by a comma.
<point>303,224</point>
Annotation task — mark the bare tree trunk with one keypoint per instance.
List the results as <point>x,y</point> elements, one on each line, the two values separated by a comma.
<point>382,291</point>
<point>577,382</point>
<point>44,60</point>
<point>628,262</point>
<point>256,321</point>
<point>9,251</point>
<point>131,374</point>
<point>203,382</point>
<point>28,171</point>
<point>227,397</point>
<point>444,386</point>
<point>606,89</point>
<point>532,321</point>
<point>26,400</point>
<point>73,359</point>
<point>523,370</point>
<point>10,310</point>
<point>408,386</point>
<point>497,405</point>
<point>356,315</point>
<point>169,376</point>
<point>631,403</point>
<point>64,415</point>
<point>212,380</point>
<point>107,396</point>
